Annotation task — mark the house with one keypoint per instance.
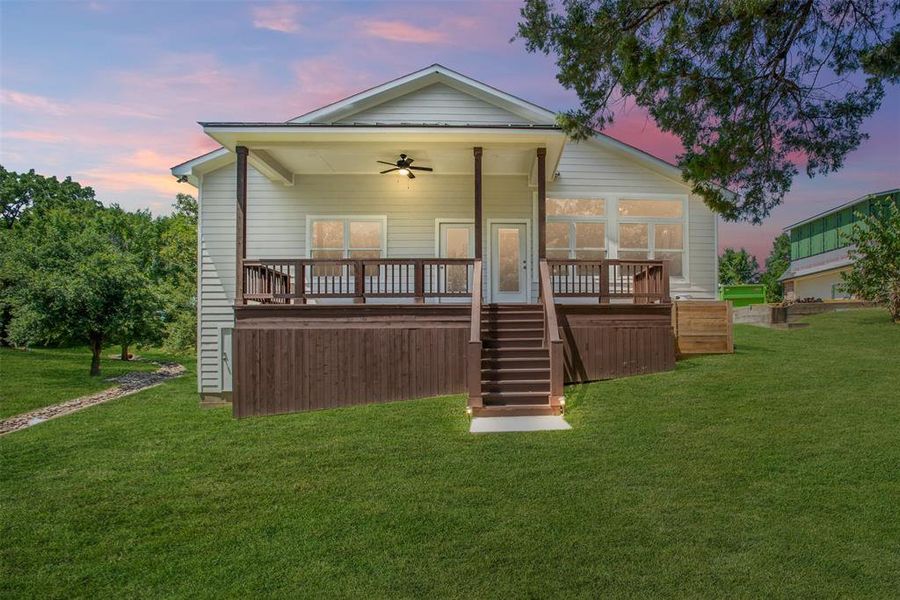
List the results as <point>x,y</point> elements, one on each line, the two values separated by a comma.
<point>820,251</point>
<point>435,235</point>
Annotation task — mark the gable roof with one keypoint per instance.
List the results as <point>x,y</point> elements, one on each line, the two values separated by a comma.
<point>435,74</point>
<point>340,114</point>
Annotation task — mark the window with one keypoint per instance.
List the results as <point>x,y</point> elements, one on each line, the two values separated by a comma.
<point>340,237</point>
<point>576,228</point>
<point>652,229</point>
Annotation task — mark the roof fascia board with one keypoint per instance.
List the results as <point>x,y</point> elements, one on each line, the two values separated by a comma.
<point>187,166</point>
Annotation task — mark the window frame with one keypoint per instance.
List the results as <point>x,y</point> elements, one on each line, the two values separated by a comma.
<point>651,222</point>
<point>346,220</point>
<point>572,220</point>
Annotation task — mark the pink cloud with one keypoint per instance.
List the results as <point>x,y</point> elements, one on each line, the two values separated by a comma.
<point>277,17</point>
<point>326,79</point>
<point>401,31</point>
<point>130,181</point>
<point>32,102</point>
<point>35,136</point>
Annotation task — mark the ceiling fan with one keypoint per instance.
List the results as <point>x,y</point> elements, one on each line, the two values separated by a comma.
<point>402,166</point>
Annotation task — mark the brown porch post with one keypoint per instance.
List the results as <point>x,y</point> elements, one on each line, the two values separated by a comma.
<point>542,202</point>
<point>241,223</point>
<point>478,212</point>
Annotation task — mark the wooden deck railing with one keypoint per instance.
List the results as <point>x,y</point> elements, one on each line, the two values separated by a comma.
<point>473,353</point>
<point>295,281</point>
<point>552,339</point>
<point>642,281</point>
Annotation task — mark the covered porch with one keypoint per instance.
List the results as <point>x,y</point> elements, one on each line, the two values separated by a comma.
<point>403,288</point>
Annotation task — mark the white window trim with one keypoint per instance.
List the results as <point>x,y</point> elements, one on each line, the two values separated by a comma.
<point>615,220</point>
<point>310,219</point>
<point>572,220</point>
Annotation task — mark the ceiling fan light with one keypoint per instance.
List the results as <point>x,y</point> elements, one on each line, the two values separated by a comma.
<point>403,172</point>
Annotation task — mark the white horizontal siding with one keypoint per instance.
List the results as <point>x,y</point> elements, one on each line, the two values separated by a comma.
<point>436,104</point>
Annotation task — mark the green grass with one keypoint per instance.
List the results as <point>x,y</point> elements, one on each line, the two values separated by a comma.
<point>774,472</point>
<point>42,376</point>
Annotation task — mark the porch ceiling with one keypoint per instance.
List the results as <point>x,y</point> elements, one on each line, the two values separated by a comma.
<point>280,154</point>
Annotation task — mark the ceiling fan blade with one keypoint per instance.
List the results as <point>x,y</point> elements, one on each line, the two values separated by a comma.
<point>386,163</point>
<point>389,170</point>
<point>409,161</point>
<point>421,168</point>
<point>410,174</point>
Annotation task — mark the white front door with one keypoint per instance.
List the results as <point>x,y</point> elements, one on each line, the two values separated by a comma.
<point>456,240</point>
<point>509,262</point>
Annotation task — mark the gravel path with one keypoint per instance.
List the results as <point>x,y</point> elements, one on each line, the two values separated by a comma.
<point>128,384</point>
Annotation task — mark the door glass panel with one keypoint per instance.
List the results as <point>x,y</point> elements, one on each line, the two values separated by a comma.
<point>457,242</point>
<point>509,259</point>
<point>457,246</point>
<point>633,235</point>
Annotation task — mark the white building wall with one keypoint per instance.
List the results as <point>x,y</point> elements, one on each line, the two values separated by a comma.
<point>819,286</point>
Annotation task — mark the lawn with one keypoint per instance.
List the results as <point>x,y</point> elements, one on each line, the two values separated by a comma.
<point>774,472</point>
<point>41,377</point>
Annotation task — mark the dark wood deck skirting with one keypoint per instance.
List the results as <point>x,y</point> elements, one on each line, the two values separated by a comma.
<point>297,358</point>
<point>291,358</point>
<point>616,340</point>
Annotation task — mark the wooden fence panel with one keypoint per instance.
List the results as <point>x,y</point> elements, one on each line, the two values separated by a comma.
<point>615,340</point>
<point>703,327</point>
<point>287,363</point>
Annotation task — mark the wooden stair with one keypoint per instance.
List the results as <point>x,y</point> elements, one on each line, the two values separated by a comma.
<point>515,364</point>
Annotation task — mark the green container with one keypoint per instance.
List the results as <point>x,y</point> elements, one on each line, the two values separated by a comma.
<point>744,294</point>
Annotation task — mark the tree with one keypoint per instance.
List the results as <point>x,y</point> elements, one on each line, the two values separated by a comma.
<point>177,277</point>
<point>751,88</point>
<point>875,250</point>
<point>75,284</point>
<point>737,266</point>
<point>777,262</point>
<point>23,195</point>
<point>136,234</point>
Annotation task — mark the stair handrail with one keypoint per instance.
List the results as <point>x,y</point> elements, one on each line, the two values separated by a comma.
<point>473,356</point>
<point>551,335</point>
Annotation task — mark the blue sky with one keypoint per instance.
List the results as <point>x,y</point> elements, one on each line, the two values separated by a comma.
<point>110,92</point>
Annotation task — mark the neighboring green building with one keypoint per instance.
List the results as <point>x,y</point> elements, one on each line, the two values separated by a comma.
<point>819,248</point>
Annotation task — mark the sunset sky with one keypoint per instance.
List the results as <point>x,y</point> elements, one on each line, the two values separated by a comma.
<point>110,92</point>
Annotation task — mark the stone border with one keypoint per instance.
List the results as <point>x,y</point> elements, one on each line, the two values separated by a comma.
<point>128,384</point>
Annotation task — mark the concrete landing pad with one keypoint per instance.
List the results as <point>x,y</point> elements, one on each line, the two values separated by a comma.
<point>508,424</point>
